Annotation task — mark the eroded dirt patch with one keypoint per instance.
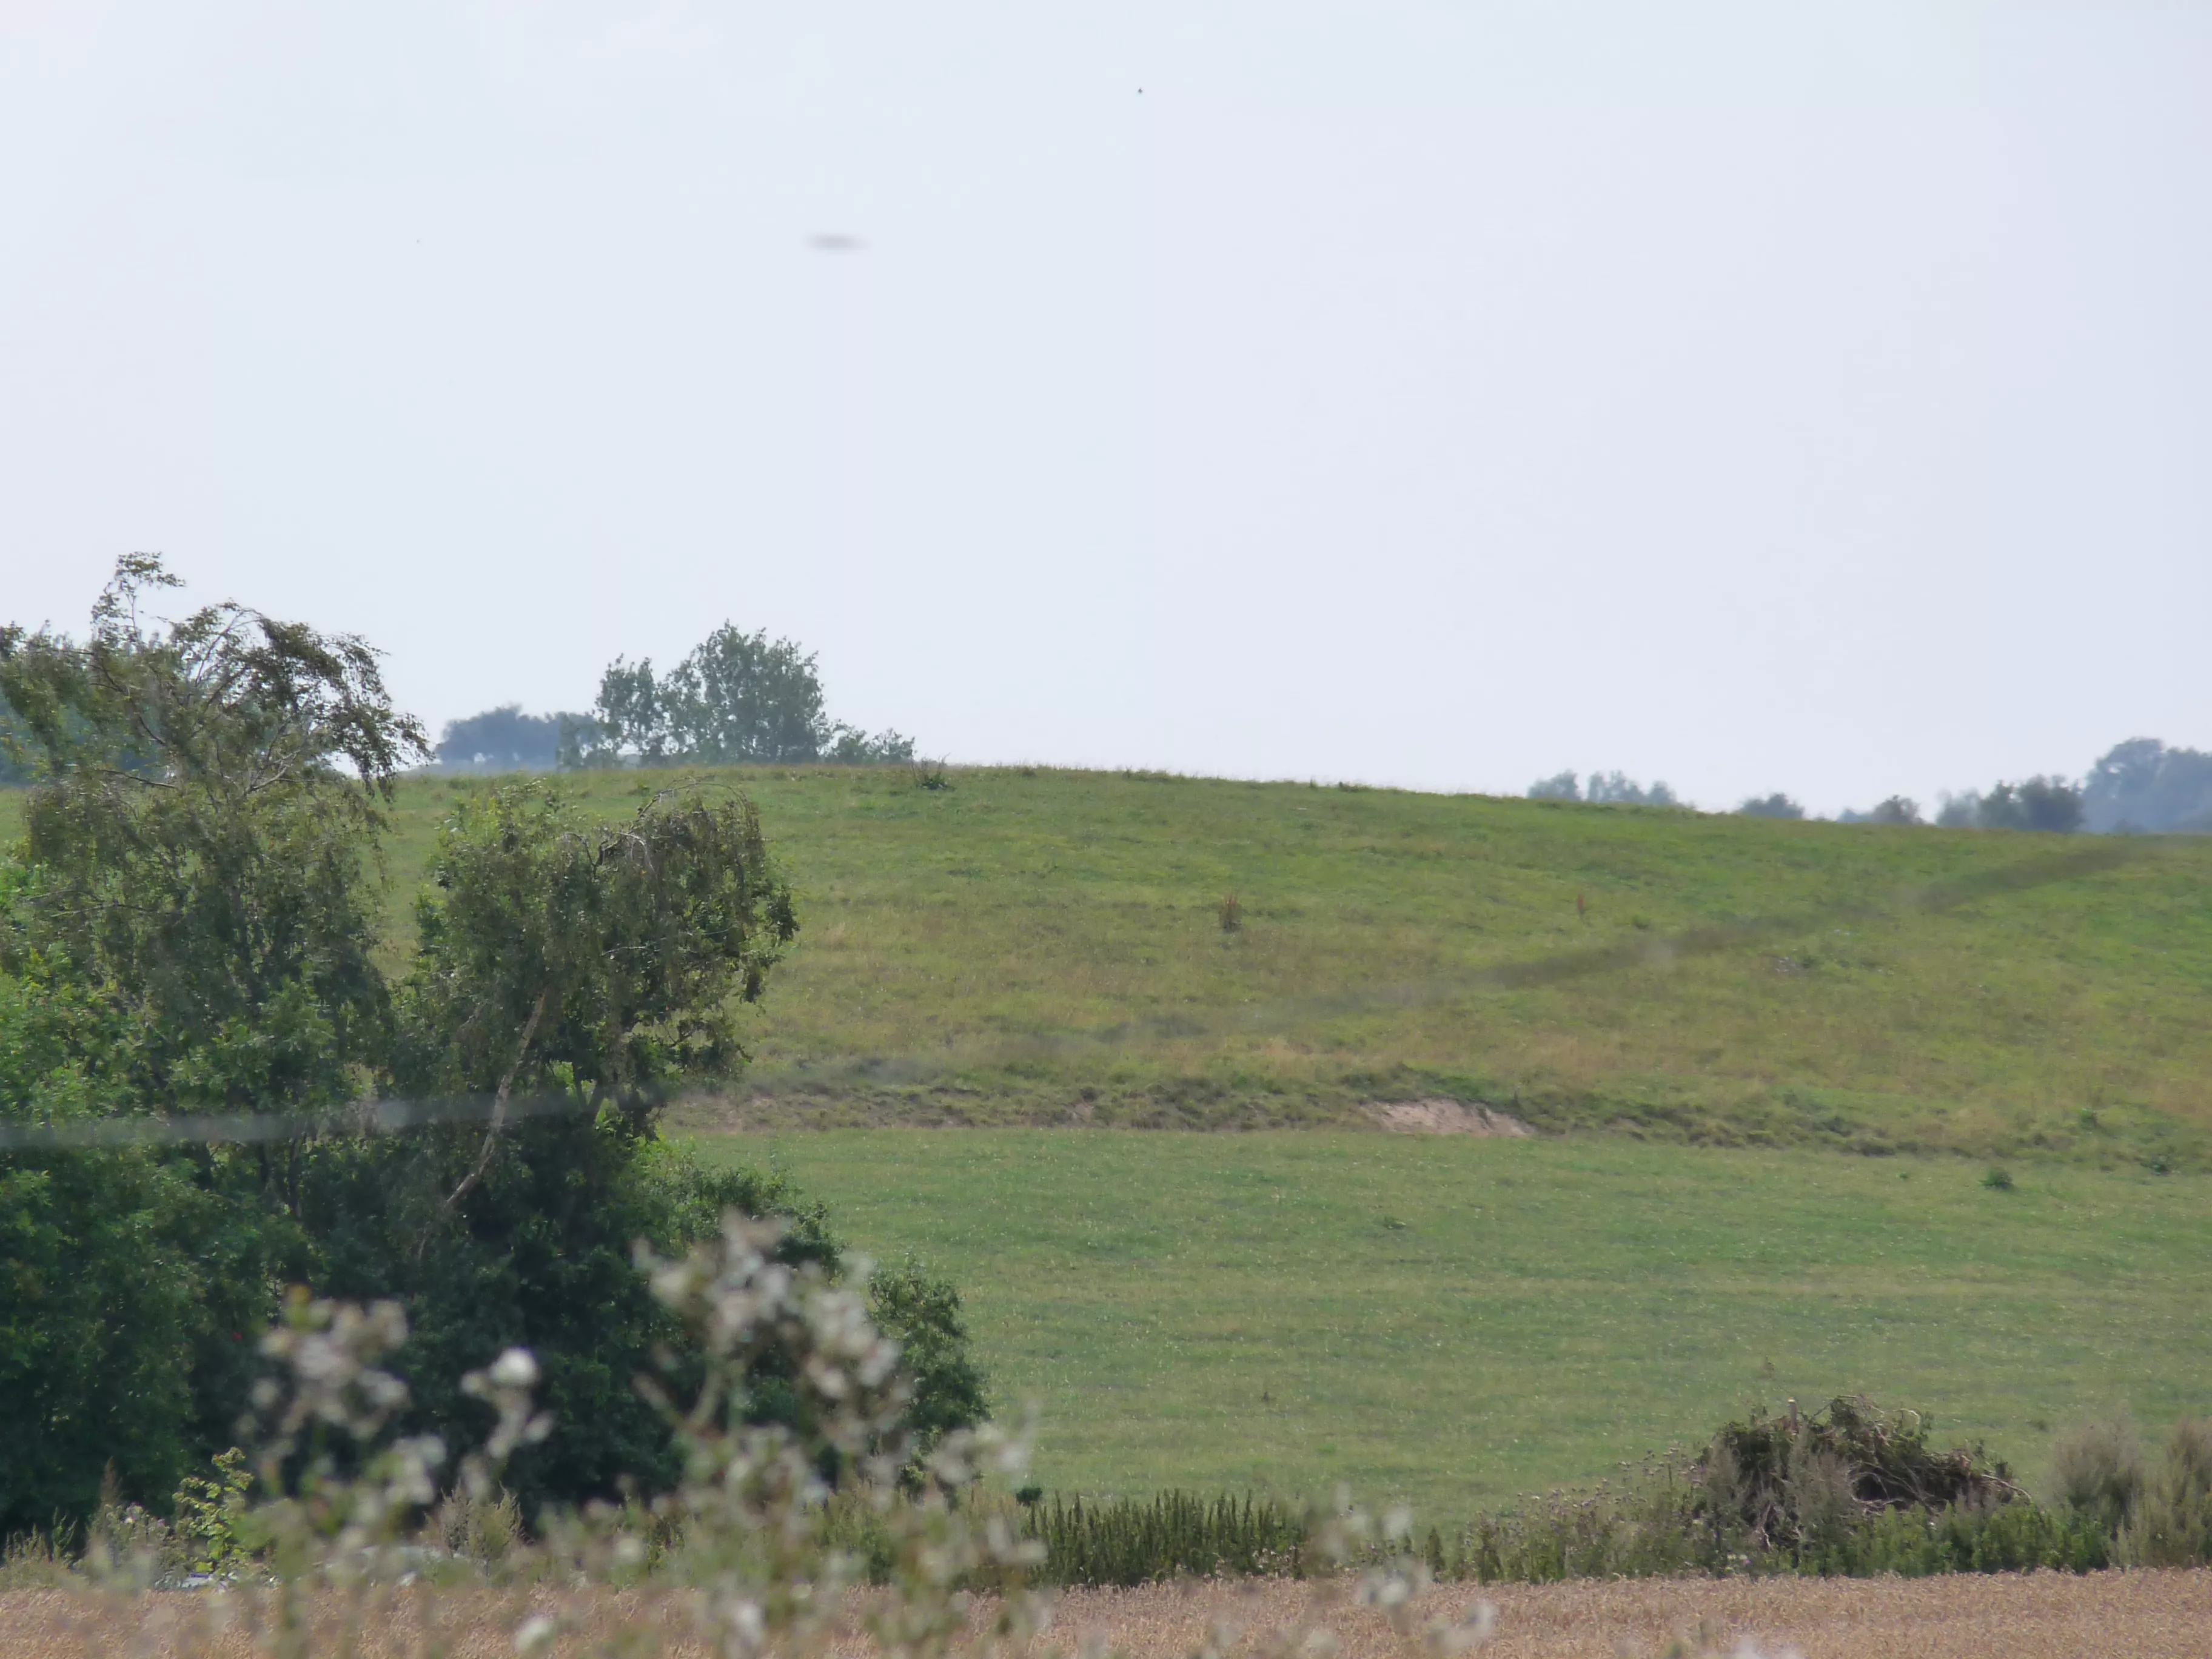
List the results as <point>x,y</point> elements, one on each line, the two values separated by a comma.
<point>1445,1117</point>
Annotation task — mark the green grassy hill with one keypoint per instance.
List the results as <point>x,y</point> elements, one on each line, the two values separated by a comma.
<point>1452,1320</point>
<point>1456,1321</point>
<point>1033,947</point>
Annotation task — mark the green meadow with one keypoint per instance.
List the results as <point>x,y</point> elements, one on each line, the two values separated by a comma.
<point>1028,945</point>
<point>1455,1321</point>
<point>1712,1022</point>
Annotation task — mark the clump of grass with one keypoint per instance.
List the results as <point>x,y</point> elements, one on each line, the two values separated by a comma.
<point>38,1560</point>
<point>2170,1521</point>
<point>930,774</point>
<point>1232,912</point>
<point>1174,1535</point>
<point>1997,1179</point>
<point>2097,1468</point>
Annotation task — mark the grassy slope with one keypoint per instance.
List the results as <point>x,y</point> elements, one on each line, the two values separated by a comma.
<point>1213,1310</point>
<point>1030,946</point>
<point>1023,947</point>
<point>1458,1320</point>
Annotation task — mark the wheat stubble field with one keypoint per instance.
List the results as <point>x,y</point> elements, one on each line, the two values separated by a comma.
<point>2109,1615</point>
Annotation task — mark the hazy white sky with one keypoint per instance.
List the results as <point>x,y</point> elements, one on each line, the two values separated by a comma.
<point>1801,397</point>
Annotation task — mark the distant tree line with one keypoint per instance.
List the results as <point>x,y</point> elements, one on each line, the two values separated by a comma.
<point>2138,787</point>
<point>1605,789</point>
<point>737,699</point>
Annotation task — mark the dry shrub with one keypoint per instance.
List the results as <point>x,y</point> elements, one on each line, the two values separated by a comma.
<point>2097,1468</point>
<point>2172,1522</point>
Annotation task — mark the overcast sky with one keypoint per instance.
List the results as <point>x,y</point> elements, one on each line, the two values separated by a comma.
<point>1798,397</point>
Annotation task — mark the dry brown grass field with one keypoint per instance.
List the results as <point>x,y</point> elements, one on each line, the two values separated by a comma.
<point>2110,1615</point>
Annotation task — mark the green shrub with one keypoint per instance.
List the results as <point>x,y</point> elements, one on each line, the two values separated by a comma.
<point>1850,1490</point>
<point>921,1312</point>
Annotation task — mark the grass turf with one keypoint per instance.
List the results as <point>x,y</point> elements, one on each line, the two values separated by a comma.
<point>1029,946</point>
<point>1455,1321</point>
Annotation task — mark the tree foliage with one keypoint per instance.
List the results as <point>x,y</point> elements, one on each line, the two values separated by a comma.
<point>502,740</point>
<point>189,923</point>
<point>202,833</point>
<point>1606,789</point>
<point>737,699</point>
<point>2050,804</point>
<point>564,956</point>
<point>1776,806</point>
<point>1898,810</point>
<point>2143,785</point>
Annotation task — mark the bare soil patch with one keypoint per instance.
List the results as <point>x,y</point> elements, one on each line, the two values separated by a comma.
<point>1444,1117</point>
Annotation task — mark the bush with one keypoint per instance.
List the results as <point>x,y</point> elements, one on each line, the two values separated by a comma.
<point>1850,1489</point>
<point>2098,1470</point>
<point>540,1256</point>
<point>921,1312</point>
<point>2170,1521</point>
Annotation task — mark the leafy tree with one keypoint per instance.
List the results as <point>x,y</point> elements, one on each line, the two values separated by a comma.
<point>568,957</point>
<point>737,699</point>
<point>202,829</point>
<point>1606,788</point>
<point>1961,811</point>
<point>1898,809</point>
<point>1618,789</point>
<point>628,723</point>
<point>855,748</point>
<point>502,740</point>
<point>922,1313</point>
<point>2143,785</point>
<point>2048,803</point>
<point>186,923</point>
<point>1776,806</point>
<point>588,969</point>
